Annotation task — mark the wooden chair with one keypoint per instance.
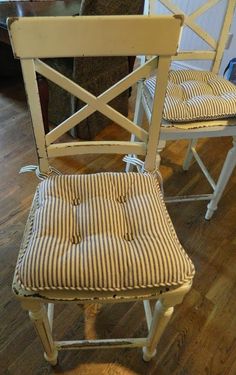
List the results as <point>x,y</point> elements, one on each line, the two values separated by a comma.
<point>198,104</point>
<point>84,240</point>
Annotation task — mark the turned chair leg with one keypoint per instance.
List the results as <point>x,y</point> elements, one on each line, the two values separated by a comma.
<point>225,174</point>
<point>161,317</point>
<point>162,313</point>
<point>39,317</point>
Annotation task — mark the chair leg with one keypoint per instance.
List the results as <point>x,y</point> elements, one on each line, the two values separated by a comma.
<point>189,154</point>
<point>39,317</point>
<point>161,317</point>
<point>162,313</point>
<point>225,174</point>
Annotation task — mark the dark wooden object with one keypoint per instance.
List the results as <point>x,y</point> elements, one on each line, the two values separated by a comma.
<point>33,9</point>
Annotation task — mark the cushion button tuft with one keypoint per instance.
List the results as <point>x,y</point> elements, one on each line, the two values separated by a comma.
<point>121,199</point>
<point>128,236</point>
<point>75,239</point>
<point>75,201</point>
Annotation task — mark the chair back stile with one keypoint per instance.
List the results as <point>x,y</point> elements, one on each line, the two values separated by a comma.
<point>33,40</point>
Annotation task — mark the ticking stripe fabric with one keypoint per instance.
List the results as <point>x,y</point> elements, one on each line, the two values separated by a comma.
<point>101,232</point>
<point>194,96</point>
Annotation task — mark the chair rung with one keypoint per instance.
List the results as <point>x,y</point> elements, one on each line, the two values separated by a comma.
<point>188,198</point>
<point>107,343</point>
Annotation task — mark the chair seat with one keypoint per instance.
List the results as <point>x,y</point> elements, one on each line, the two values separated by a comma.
<point>101,232</point>
<point>194,96</point>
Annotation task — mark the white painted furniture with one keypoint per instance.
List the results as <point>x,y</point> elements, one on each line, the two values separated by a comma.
<point>85,240</point>
<point>198,104</point>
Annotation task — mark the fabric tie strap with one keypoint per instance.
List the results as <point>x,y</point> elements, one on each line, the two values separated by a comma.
<point>139,164</point>
<point>40,175</point>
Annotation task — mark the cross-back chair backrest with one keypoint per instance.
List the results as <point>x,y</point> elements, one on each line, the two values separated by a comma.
<point>199,21</point>
<point>34,39</point>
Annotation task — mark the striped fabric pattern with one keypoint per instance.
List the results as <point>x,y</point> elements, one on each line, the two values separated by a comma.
<point>194,96</point>
<point>101,232</point>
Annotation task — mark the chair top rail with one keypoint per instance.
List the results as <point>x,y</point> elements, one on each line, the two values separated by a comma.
<point>33,37</point>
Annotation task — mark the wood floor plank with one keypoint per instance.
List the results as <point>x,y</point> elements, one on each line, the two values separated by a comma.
<point>201,337</point>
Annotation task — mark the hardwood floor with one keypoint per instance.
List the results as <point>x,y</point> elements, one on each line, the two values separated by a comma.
<point>201,337</point>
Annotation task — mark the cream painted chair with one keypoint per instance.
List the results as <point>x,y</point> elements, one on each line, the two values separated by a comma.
<point>85,240</point>
<point>198,104</point>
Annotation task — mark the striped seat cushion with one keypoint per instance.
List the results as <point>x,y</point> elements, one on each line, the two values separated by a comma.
<point>194,96</point>
<point>101,232</point>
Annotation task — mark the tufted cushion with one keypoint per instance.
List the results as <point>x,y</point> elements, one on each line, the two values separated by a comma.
<point>101,232</point>
<point>195,95</point>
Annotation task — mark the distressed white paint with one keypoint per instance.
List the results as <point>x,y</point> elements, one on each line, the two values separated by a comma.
<point>31,37</point>
<point>162,314</point>
<point>93,36</point>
